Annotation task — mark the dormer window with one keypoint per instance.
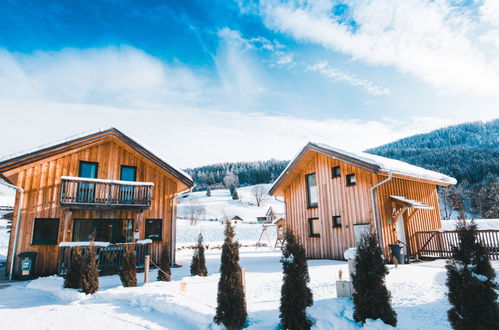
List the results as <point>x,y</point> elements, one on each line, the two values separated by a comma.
<point>351,180</point>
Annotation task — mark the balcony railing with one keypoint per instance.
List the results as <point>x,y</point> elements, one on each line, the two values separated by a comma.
<point>84,193</point>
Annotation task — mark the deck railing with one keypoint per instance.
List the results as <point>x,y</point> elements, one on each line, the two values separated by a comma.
<point>438,244</point>
<point>109,258</point>
<point>86,193</point>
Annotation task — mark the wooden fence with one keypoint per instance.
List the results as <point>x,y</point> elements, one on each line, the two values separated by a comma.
<point>436,244</point>
<point>110,258</point>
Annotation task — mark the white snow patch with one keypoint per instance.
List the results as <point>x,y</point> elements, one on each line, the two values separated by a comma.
<point>350,253</point>
<point>482,224</point>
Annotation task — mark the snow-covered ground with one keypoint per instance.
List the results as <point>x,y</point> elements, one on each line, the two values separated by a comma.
<point>220,204</point>
<point>483,224</point>
<point>418,292</point>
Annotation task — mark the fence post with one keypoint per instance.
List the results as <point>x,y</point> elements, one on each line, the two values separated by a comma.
<point>440,247</point>
<point>146,268</point>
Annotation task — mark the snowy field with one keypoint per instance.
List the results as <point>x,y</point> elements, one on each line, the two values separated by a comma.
<point>220,203</point>
<point>418,297</point>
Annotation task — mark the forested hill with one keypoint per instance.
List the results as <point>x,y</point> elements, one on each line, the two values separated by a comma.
<point>240,173</point>
<point>469,152</point>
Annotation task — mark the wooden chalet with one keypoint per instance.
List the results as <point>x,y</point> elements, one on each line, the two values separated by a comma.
<point>103,186</point>
<point>332,196</point>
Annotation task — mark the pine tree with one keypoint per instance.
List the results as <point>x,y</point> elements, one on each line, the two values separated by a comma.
<point>90,271</point>
<point>164,273</point>
<point>231,302</point>
<point>128,274</point>
<point>296,296</point>
<point>198,264</point>
<point>470,279</point>
<point>371,298</point>
<point>72,280</point>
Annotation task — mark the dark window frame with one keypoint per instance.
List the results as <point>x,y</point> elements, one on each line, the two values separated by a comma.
<point>309,204</point>
<point>134,172</point>
<point>337,224</point>
<point>88,162</point>
<point>349,177</point>
<point>114,229</point>
<point>333,172</point>
<point>37,241</point>
<point>160,230</point>
<point>311,230</point>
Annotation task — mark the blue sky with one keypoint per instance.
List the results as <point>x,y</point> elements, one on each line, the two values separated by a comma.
<point>243,80</point>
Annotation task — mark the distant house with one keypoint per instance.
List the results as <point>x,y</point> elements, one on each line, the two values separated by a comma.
<point>231,217</point>
<point>102,186</point>
<point>333,196</point>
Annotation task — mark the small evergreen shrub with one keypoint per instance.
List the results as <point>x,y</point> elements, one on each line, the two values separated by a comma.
<point>470,279</point>
<point>90,271</point>
<point>72,280</point>
<point>296,296</point>
<point>371,297</point>
<point>198,264</point>
<point>164,273</point>
<point>231,301</point>
<point>128,273</point>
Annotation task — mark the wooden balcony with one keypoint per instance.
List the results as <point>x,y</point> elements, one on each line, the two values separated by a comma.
<point>84,193</point>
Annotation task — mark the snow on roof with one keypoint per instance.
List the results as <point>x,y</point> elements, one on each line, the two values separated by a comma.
<point>384,165</point>
<point>413,203</point>
<point>77,136</point>
<point>394,166</point>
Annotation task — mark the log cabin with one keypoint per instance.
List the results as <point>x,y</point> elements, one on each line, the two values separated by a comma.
<point>102,186</point>
<point>333,196</point>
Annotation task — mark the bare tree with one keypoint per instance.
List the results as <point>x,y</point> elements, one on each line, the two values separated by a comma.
<point>259,192</point>
<point>230,179</point>
<point>194,211</point>
<point>451,200</point>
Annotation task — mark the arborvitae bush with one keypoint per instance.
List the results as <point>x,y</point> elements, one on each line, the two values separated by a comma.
<point>470,279</point>
<point>72,280</point>
<point>165,273</point>
<point>208,192</point>
<point>231,302</point>
<point>128,273</point>
<point>296,296</point>
<point>371,297</point>
<point>235,196</point>
<point>198,264</point>
<point>90,271</point>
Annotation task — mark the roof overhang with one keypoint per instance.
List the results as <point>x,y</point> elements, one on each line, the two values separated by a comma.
<point>85,140</point>
<point>411,203</point>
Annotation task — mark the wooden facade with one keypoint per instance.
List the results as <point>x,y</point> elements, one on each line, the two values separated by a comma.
<point>40,175</point>
<point>352,203</point>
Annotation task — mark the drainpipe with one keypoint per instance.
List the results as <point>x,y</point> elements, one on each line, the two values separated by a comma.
<point>377,226</point>
<point>18,224</point>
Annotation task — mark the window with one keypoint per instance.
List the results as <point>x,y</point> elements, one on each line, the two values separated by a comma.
<point>336,221</point>
<point>311,190</point>
<point>103,230</point>
<point>45,231</point>
<point>351,180</point>
<point>314,227</point>
<point>154,229</point>
<point>128,173</point>
<point>86,190</point>
<point>335,172</point>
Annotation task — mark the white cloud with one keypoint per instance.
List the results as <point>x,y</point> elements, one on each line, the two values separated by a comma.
<point>337,75</point>
<point>451,48</point>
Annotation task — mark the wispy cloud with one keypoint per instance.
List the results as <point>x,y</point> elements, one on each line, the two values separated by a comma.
<point>338,75</point>
<point>452,47</point>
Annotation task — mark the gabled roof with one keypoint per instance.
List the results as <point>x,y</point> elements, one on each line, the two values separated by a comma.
<point>368,162</point>
<point>17,160</point>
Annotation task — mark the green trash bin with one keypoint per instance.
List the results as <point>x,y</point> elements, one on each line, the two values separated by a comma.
<point>398,252</point>
<point>27,262</point>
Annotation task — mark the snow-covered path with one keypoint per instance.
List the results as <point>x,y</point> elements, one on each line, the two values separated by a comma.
<point>418,292</point>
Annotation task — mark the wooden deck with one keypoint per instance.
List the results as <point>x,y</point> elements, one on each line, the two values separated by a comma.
<point>436,244</point>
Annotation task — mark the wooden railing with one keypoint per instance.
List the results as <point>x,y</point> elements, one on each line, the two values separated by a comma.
<point>86,193</point>
<point>110,258</point>
<point>436,244</point>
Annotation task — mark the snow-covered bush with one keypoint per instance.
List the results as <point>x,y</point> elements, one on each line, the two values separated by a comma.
<point>371,297</point>
<point>231,301</point>
<point>470,279</point>
<point>198,264</point>
<point>296,296</point>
